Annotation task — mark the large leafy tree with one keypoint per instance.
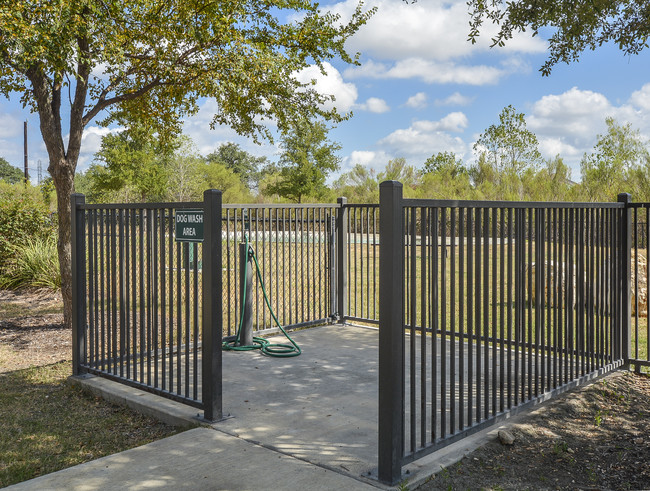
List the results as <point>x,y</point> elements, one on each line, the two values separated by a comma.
<point>306,159</point>
<point>620,162</point>
<point>150,61</point>
<point>129,167</point>
<point>247,166</point>
<point>509,146</point>
<point>576,26</point>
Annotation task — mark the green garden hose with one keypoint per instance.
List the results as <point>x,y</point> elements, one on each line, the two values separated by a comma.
<point>278,350</point>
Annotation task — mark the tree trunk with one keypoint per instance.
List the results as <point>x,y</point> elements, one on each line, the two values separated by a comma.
<point>63,175</point>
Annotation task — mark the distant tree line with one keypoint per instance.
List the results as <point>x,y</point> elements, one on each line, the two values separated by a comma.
<point>133,166</point>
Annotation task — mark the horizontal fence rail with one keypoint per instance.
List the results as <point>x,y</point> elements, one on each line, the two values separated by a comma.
<point>502,303</point>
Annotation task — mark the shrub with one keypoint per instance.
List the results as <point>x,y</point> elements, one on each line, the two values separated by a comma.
<point>34,264</point>
<point>23,215</point>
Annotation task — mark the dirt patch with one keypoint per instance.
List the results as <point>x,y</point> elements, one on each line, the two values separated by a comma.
<point>31,330</point>
<point>596,437</point>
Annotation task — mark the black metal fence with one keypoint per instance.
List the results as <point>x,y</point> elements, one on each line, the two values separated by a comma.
<point>483,307</point>
<point>500,304</point>
<point>146,301</point>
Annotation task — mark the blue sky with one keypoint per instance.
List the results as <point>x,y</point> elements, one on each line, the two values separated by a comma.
<point>422,89</point>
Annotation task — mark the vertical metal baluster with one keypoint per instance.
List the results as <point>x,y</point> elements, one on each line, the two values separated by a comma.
<point>571,305</point>
<point>435,326</point>
<point>412,299</point>
<point>122,288</point>
<point>179,319</point>
<point>135,264</point>
<point>477,306</point>
<point>423,325</point>
<point>452,334</point>
<point>155,326</point>
<point>539,296</point>
<point>493,324</point>
<point>188,313</point>
<point>196,308</point>
<point>519,297</point>
<point>170,265</point>
<point>529,321</point>
<point>470,314</point>
<point>503,285</point>
<point>485,336</point>
<point>555,298</point>
<point>510,306</point>
<point>443,322</point>
<point>462,330</point>
<point>92,291</point>
<point>486,312</point>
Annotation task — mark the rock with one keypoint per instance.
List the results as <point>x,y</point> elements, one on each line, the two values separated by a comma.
<point>506,438</point>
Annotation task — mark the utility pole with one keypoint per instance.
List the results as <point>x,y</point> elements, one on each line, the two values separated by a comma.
<point>26,164</point>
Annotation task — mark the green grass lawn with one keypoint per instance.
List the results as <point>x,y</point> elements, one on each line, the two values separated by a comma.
<point>47,425</point>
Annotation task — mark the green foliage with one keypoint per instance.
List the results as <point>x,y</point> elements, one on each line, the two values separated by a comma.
<point>215,175</point>
<point>577,26</point>
<point>9,173</point>
<point>247,166</point>
<point>23,215</point>
<point>619,163</point>
<point>360,185</point>
<point>445,162</point>
<point>34,264</point>
<point>307,157</point>
<point>128,167</point>
<point>509,146</point>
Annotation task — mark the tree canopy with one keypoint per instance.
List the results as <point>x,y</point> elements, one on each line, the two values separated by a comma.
<point>150,61</point>
<point>576,25</point>
<point>307,157</point>
<point>10,173</point>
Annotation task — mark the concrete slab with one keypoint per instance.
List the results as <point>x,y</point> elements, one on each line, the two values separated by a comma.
<point>318,408</point>
<point>200,458</point>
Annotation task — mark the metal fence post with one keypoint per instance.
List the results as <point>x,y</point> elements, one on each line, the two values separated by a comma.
<point>78,259</point>
<point>625,277</point>
<point>212,306</point>
<point>391,336</point>
<point>342,259</point>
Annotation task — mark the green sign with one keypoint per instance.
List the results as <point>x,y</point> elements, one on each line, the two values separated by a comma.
<point>189,225</point>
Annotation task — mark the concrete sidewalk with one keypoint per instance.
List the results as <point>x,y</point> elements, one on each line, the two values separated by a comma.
<point>201,458</point>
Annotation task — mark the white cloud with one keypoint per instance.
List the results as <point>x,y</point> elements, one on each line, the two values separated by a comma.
<point>429,72</point>
<point>455,99</point>
<point>10,126</point>
<point>374,105</point>
<point>424,138</point>
<point>91,142</point>
<point>568,124</point>
<point>430,30</point>
<point>417,101</point>
<point>641,98</point>
<point>331,83</point>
